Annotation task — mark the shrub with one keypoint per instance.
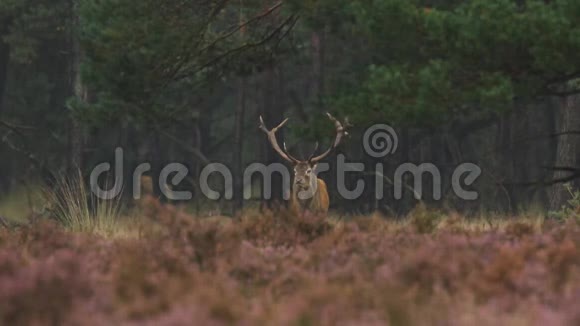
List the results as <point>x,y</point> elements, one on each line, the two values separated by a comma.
<point>423,219</point>
<point>572,208</point>
<point>78,209</point>
<point>280,270</point>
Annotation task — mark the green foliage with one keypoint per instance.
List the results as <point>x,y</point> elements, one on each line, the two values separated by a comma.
<point>33,46</point>
<point>145,57</point>
<point>431,64</point>
<point>26,24</point>
<point>130,49</point>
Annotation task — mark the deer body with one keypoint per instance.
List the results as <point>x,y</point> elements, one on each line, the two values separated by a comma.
<point>309,193</point>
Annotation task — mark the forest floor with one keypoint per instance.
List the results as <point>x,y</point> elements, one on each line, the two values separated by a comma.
<point>166,267</point>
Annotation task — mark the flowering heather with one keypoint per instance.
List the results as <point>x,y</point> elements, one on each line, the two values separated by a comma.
<point>277,270</point>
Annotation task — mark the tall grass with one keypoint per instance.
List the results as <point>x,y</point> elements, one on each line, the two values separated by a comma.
<point>79,210</point>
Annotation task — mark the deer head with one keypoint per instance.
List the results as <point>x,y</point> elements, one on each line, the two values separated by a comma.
<point>304,177</point>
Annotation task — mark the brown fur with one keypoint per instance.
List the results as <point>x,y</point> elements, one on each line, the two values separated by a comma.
<point>318,204</point>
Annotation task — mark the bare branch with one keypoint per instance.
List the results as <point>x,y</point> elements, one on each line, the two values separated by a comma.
<point>196,152</point>
<point>14,127</point>
<point>30,156</point>
<point>574,174</point>
<point>242,25</point>
<point>290,21</point>
<point>565,93</point>
<point>189,51</point>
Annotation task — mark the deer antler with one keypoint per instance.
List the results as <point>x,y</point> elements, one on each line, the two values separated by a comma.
<point>274,142</point>
<point>313,152</point>
<point>288,153</point>
<point>340,132</point>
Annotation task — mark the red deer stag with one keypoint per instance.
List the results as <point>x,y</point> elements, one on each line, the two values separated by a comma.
<point>309,193</point>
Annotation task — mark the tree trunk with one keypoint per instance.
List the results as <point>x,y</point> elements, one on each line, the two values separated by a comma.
<point>239,146</point>
<point>506,199</point>
<point>79,91</point>
<point>273,113</point>
<point>4,60</point>
<point>568,119</point>
<point>317,88</point>
<point>520,131</point>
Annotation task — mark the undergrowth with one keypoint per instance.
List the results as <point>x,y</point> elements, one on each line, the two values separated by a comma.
<point>165,266</point>
<point>276,269</point>
<point>572,208</point>
<point>80,210</point>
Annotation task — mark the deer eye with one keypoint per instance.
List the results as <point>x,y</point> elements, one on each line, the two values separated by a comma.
<point>308,171</point>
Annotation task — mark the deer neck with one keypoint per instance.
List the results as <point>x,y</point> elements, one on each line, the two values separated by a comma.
<point>305,197</point>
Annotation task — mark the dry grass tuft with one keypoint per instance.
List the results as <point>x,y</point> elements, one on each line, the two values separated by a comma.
<point>78,209</point>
